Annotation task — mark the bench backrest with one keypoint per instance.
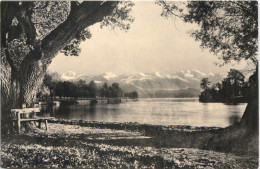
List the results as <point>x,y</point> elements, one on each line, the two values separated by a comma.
<point>26,112</point>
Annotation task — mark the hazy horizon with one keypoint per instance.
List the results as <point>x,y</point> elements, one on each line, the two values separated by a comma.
<point>134,73</point>
<point>153,44</point>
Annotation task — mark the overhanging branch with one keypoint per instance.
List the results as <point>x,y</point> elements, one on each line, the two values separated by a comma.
<point>24,17</point>
<point>85,15</point>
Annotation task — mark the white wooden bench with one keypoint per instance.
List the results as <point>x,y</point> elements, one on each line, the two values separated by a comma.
<point>27,115</point>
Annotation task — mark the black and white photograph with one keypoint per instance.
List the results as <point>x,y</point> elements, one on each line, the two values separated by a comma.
<point>129,84</point>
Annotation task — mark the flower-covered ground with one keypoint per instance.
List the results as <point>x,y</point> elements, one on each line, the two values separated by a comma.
<point>74,146</point>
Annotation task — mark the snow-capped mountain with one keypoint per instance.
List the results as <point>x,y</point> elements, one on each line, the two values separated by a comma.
<point>182,83</point>
<point>70,75</point>
<point>109,75</point>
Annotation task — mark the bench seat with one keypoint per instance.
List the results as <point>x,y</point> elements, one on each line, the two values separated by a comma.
<point>27,115</point>
<point>38,118</point>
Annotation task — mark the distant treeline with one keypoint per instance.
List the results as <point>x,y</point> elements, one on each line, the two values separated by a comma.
<point>232,89</point>
<point>180,93</point>
<point>80,89</point>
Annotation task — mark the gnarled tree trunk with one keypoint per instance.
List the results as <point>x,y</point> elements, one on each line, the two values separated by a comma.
<point>25,57</point>
<point>250,119</point>
<point>17,89</point>
<point>241,137</point>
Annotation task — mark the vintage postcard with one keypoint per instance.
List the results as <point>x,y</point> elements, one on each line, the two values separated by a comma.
<point>129,84</point>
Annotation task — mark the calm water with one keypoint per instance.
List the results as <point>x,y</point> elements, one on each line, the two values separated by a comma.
<point>162,111</point>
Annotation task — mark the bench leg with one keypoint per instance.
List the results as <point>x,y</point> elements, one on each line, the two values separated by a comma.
<point>18,126</point>
<point>18,123</point>
<point>13,125</point>
<point>40,124</point>
<point>46,124</point>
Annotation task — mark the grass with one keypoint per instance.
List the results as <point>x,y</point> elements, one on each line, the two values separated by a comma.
<point>75,146</point>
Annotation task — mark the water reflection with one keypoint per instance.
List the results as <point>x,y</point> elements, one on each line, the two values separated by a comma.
<point>235,116</point>
<point>161,111</point>
<point>234,119</point>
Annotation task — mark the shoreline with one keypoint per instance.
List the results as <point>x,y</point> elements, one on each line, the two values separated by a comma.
<point>134,126</point>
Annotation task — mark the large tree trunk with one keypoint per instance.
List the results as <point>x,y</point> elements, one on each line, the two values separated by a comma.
<point>241,137</point>
<point>250,119</point>
<point>23,71</point>
<point>17,89</point>
<point>83,16</point>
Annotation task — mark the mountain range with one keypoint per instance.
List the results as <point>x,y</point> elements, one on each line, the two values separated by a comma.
<point>179,84</point>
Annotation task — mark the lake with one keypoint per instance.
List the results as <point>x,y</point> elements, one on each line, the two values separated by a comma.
<point>159,111</point>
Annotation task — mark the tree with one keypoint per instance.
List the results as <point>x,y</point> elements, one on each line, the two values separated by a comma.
<point>104,91</point>
<point>93,90</point>
<point>81,83</point>
<point>233,89</point>
<point>115,90</point>
<point>32,33</point>
<point>80,88</point>
<point>48,84</point>
<point>59,89</point>
<point>132,95</point>
<point>69,89</point>
<point>218,86</point>
<point>228,29</point>
<point>204,84</point>
<point>236,77</point>
<point>43,91</point>
<point>233,84</point>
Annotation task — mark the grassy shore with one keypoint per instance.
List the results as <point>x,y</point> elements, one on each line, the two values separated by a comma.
<point>82,144</point>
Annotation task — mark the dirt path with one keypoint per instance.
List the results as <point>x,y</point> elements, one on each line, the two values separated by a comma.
<point>74,146</point>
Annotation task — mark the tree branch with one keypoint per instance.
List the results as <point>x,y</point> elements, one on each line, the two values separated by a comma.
<point>87,14</point>
<point>73,6</point>
<point>9,60</point>
<point>8,11</point>
<point>245,8</point>
<point>24,17</point>
<point>165,6</point>
<point>23,14</point>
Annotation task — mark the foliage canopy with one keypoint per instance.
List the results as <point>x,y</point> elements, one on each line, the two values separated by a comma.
<point>227,28</point>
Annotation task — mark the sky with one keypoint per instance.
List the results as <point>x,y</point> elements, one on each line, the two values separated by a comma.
<point>153,44</point>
